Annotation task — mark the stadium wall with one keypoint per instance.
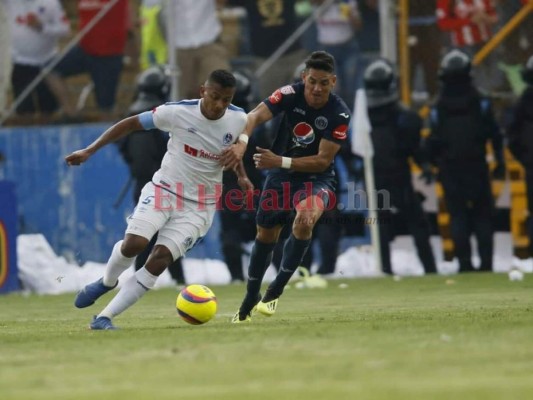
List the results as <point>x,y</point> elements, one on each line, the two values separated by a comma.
<point>73,207</point>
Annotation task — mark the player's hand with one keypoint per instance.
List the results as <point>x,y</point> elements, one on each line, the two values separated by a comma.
<point>245,184</point>
<point>78,157</point>
<point>265,159</point>
<point>232,155</point>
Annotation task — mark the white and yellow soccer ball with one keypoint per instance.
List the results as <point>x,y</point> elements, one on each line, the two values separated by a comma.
<point>196,304</point>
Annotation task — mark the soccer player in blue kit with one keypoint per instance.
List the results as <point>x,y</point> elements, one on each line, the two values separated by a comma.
<point>313,127</point>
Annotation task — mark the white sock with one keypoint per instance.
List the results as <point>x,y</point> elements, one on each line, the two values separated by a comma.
<point>116,265</point>
<point>132,290</point>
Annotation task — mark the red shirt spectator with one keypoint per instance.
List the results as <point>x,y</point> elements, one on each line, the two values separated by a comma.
<point>468,21</point>
<point>108,37</point>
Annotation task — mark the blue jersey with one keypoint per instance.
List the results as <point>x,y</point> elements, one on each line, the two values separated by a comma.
<point>303,127</point>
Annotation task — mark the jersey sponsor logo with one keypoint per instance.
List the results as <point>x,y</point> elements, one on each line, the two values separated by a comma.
<point>287,90</point>
<point>275,97</point>
<point>303,133</point>
<point>228,139</point>
<point>339,132</point>
<point>298,110</point>
<point>321,122</point>
<point>200,153</point>
<point>190,150</point>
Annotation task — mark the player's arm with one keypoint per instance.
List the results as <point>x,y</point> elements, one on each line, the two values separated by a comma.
<point>242,178</point>
<point>265,159</point>
<point>232,155</point>
<point>117,131</point>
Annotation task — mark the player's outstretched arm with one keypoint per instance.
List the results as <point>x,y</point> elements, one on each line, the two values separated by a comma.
<point>120,129</point>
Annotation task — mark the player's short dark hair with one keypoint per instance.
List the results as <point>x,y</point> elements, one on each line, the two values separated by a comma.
<point>223,78</point>
<point>320,60</point>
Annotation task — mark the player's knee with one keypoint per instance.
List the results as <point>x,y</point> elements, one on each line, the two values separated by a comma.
<point>133,245</point>
<point>159,260</point>
<point>269,235</point>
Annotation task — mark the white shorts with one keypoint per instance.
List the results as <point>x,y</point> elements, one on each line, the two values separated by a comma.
<point>180,222</point>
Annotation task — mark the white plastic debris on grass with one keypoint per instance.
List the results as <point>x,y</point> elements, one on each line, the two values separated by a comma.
<point>44,272</point>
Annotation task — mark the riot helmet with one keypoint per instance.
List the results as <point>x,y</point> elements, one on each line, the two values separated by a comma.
<point>243,91</point>
<point>527,72</point>
<point>153,89</point>
<point>455,67</point>
<point>381,83</point>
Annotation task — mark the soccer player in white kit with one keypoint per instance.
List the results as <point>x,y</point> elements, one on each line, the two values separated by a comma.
<point>180,201</point>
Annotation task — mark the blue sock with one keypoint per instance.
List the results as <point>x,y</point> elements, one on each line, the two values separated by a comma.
<point>293,253</point>
<point>259,261</point>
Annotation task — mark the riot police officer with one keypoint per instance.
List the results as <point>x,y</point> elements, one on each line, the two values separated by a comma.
<point>396,138</point>
<point>462,122</point>
<point>520,134</point>
<point>237,221</point>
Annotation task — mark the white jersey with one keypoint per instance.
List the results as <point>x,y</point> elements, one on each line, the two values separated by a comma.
<point>191,166</point>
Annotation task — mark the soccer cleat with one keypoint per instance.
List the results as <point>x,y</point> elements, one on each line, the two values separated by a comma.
<point>237,319</point>
<point>102,324</point>
<point>90,293</point>
<point>267,308</point>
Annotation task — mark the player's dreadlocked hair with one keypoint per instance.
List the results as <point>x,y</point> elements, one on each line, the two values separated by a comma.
<point>223,78</point>
<point>320,60</point>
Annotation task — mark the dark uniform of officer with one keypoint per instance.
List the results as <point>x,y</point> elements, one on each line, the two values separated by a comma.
<point>144,150</point>
<point>520,134</point>
<point>237,222</point>
<point>462,121</point>
<point>396,138</point>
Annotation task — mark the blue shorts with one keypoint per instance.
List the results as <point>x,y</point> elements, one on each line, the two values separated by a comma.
<point>104,70</point>
<point>283,190</point>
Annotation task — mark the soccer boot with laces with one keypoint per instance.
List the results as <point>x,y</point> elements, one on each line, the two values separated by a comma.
<point>90,293</point>
<point>102,324</point>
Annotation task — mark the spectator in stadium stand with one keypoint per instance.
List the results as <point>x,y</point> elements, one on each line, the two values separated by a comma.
<point>154,45</point>
<point>99,53</point>
<point>424,52</point>
<point>36,26</point>
<point>336,29</point>
<point>269,27</point>
<point>368,36</point>
<point>520,135</point>
<point>180,201</point>
<point>470,24</point>
<point>396,138</point>
<point>462,123</point>
<point>314,125</point>
<point>199,49</point>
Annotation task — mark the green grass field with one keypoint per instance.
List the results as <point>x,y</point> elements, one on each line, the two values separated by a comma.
<point>459,337</point>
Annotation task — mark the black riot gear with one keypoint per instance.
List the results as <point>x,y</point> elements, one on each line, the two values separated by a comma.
<point>153,89</point>
<point>455,66</point>
<point>381,83</point>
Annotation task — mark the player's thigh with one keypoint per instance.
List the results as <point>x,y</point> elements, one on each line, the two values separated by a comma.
<point>185,228</point>
<point>148,216</point>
